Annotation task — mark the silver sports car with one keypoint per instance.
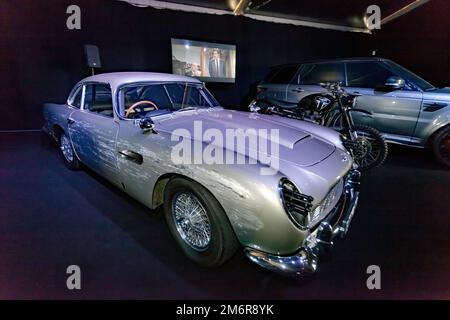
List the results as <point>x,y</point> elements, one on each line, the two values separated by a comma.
<point>282,189</point>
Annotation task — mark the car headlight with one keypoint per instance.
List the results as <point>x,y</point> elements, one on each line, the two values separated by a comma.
<point>297,205</point>
<point>327,203</point>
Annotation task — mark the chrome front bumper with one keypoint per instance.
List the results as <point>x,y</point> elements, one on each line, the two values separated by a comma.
<point>336,224</point>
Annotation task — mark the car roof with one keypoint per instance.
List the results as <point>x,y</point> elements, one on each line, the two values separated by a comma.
<point>116,79</point>
<point>332,60</point>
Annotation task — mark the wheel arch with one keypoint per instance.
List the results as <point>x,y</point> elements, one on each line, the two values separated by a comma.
<point>160,186</point>
<point>436,132</point>
<point>161,183</point>
<point>57,130</point>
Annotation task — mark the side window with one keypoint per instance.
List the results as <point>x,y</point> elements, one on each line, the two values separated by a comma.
<point>366,74</point>
<point>321,72</point>
<point>283,75</point>
<point>98,99</point>
<point>75,100</point>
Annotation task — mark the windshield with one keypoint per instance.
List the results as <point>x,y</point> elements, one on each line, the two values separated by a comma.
<point>138,100</point>
<point>408,75</point>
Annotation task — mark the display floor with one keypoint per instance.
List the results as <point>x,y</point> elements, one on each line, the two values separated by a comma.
<point>51,217</point>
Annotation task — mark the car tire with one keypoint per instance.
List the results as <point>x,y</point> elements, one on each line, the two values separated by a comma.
<point>67,153</point>
<point>182,198</point>
<point>440,144</point>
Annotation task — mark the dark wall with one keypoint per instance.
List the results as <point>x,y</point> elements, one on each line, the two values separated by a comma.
<point>40,59</point>
<point>420,41</point>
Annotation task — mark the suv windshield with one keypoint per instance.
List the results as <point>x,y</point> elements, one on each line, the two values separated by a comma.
<point>406,74</point>
<point>137,100</point>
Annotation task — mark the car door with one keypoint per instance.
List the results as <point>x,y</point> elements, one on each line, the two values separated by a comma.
<point>93,130</point>
<point>276,83</point>
<point>309,77</point>
<point>139,153</point>
<point>394,112</point>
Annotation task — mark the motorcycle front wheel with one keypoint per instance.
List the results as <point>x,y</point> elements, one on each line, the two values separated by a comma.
<point>369,149</point>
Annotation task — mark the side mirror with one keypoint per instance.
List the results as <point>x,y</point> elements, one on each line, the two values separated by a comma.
<point>395,83</point>
<point>146,125</point>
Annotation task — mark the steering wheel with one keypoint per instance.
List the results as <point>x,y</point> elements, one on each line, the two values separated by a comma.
<point>139,104</point>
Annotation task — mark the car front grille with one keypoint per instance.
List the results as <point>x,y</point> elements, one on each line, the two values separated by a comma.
<point>327,204</point>
<point>296,204</point>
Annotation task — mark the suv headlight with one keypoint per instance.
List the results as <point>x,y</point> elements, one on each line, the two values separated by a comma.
<point>297,205</point>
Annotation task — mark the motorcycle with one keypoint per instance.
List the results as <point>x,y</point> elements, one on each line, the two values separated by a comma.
<point>334,109</point>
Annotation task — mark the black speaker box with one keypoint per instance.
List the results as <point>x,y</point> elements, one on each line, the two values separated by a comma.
<point>92,56</point>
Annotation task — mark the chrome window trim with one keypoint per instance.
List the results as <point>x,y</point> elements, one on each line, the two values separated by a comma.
<point>73,94</point>
<point>84,97</point>
<point>116,103</point>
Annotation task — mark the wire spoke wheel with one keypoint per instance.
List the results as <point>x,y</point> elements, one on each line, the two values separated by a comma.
<point>191,220</point>
<point>66,148</point>
<point>369,149</point>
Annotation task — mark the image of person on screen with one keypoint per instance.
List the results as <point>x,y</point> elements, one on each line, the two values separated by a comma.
<point>217,66</point>
<point>195,70</point>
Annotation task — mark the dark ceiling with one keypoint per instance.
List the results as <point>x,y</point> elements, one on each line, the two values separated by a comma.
<point>338,12</point>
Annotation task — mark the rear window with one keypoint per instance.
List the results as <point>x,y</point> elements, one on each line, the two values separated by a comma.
<point>281,75</point>
<point>98,99</point>
<point>322,72</point>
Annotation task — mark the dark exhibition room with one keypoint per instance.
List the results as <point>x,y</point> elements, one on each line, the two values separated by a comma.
<point>226,150</point>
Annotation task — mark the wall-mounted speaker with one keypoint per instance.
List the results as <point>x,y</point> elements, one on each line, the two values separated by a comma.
<point>92,56</point>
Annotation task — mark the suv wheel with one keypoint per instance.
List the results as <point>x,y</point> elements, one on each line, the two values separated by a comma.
<point>441,146</point>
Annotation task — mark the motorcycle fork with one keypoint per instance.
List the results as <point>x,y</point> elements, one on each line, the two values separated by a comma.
<point>348,121</point>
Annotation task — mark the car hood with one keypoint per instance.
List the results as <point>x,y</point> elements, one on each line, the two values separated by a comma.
<point>442,90</point>
<point>440,94</point>
<point>300,146</point>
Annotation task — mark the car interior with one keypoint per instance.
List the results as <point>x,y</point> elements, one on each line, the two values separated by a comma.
<point>98,99</point>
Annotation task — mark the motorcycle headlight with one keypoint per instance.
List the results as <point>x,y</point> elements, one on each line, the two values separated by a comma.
<point>254,106</point>
<point>297,205</point>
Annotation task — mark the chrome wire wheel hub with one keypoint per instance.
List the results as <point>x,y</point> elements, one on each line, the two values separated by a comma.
<point>191,221</point>
<point>66,148</point>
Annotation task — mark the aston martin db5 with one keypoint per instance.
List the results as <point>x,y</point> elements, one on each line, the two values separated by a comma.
<point>278,188</point>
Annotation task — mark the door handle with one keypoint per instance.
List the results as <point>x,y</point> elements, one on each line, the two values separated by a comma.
<point>132,156</point>
<point>298,90</point>
<point>70,121</point>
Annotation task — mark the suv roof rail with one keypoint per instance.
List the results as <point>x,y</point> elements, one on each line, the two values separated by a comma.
<point>330,60</point>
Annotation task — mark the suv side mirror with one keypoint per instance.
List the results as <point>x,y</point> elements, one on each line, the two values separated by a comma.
<point>395,83</point>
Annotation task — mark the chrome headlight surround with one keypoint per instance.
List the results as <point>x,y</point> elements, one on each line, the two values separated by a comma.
<point>297,205</point>
<point>327,203</point>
